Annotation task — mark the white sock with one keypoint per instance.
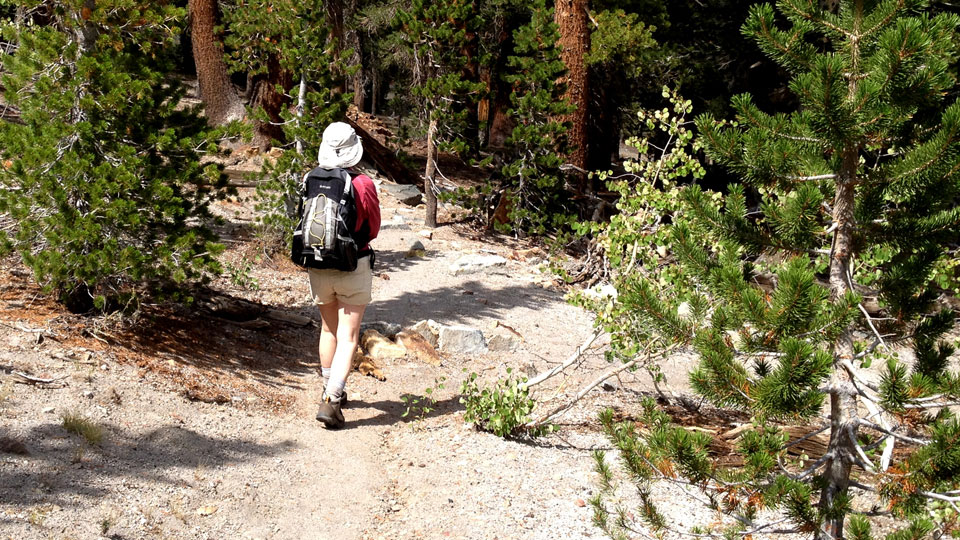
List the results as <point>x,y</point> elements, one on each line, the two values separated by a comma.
<point>325,372</point>
<point>334,389</point>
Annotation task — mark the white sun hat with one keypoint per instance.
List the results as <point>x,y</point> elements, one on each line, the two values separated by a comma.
<point>340,147</point>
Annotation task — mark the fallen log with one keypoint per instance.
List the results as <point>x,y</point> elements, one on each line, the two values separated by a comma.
<point>384,158</point>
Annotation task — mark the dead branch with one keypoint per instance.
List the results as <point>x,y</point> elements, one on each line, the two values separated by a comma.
<point>23,378</point>
<point>596,382</point>
<point>569,362</point>
<point>593,384</point>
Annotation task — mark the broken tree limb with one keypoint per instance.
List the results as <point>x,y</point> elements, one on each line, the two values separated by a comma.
<point>290,318</point>
<point>596,382</point>
<point>569,362</point>
<point>642,358</point>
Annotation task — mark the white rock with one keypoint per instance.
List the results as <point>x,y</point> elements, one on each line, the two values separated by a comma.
<point>461,340</point>
<point>396,222</point>
<point>426,233</point>
<point>471,264</point>
<point>416,246</point>
<point>407,194</point>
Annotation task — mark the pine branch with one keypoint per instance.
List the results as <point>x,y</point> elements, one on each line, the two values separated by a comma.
<point>891,433</point>
<point>811,178</point>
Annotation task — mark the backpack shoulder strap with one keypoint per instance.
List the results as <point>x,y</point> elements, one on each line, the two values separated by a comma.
<point>347,182</point>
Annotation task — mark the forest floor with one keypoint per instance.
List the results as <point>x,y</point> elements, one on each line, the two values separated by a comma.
<point>207,425</point>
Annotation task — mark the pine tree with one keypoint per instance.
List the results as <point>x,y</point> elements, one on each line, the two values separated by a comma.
<point>102,176</point>
<point>436,35</point>
<point>534,185</point>
<point>852,196</point>
<point>291,37</point>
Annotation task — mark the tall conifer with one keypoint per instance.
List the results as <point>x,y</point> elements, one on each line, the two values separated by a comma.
<point>436,36</point>
<point>292,37</point>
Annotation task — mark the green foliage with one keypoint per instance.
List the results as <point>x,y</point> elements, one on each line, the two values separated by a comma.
<point>533,182</point>
<point>419,406</point>
<point>620,39</point>
<point>292,37</point>
<point>102,177</point>
<point>440,37</point>
<point>636,239</point>
<point>503,410</point>
<point>240,274</point>
<point>858,186</point>
<point>622,58</point>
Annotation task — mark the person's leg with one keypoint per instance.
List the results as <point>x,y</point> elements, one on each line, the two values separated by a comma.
<point>329,314</point>
<point>347,337</point>
<point>321,289</point>
<point>328,338</point>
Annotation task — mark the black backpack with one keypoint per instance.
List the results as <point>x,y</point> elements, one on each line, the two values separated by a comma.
<point>324,237</point>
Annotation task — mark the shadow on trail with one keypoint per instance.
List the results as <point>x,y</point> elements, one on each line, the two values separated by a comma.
<point>397,261</point>
<point>391,412</point>
<point>266,353</point>
<point>63,467</point>
<point>471,300</point>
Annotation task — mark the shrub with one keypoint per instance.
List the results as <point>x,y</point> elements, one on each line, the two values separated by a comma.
<point>102,177</point>
<point>503,410</point>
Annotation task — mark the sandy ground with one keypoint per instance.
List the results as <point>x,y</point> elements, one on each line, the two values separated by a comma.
<point>208,429</point>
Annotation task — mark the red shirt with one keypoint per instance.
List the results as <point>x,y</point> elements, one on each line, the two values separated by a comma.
<point>368,205</point>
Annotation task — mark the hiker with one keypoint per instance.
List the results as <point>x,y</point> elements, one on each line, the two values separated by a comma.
<point>343,296</point>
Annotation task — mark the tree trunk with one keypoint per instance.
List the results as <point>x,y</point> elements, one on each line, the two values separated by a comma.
<point>571,17</point>
<point>360,77</point>
<point>375,92</point>
<point>471,73</point>
<point>358,94</point>
<point>87,34</point>
<point>265,96</point>
<point>221,101</point>
<point>844,415</point>
<point>335,22</point>
<point>499,124</point>
<point>301,105</point>
<point>431,196</point>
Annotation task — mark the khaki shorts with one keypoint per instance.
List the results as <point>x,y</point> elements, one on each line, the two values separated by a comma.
<point>353,288</point>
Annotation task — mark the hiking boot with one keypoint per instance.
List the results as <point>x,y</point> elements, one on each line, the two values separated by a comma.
<point>329,413</point>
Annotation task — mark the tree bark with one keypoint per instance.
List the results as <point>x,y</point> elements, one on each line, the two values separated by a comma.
<point>359,79</point>
<point>265,96</point>
<point>429,194</point>
<point>335,22</point>
<point>221,101</point>
<point>572,19</point>
<point>844,415</point>
<point>301,105</point>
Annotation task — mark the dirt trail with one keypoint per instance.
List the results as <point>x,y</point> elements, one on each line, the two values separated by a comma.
<point>253,463</point>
